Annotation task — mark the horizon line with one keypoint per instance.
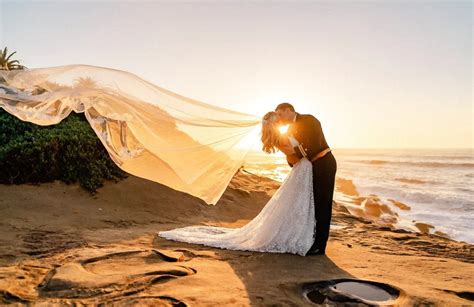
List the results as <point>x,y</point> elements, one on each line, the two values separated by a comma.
<point>402,147</point>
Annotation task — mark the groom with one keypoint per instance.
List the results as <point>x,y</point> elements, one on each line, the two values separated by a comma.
<point>307,130</point>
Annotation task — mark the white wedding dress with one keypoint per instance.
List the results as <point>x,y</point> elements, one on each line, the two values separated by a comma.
<point>285,225</point>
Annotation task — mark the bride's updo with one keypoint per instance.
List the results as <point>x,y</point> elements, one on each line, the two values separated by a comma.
<point>270,132</point>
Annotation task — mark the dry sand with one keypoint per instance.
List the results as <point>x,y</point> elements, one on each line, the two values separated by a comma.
<point>60,244</point>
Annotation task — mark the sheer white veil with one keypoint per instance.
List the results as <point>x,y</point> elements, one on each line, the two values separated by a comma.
<point>148,131</point>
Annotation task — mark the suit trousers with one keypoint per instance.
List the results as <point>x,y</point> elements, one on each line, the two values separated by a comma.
<point>324,175</point>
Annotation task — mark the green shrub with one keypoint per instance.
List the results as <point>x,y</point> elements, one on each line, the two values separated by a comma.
<point>69,151</point>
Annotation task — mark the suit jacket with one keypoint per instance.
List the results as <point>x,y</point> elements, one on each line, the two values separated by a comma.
<point>309,133</point>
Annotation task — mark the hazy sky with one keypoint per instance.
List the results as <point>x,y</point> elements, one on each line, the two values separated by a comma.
<point>376,73</point>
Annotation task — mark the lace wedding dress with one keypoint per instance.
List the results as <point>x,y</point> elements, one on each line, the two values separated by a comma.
<point>285,225</point>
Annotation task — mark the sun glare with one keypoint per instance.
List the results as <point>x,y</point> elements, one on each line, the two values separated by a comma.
<point>283,129</point>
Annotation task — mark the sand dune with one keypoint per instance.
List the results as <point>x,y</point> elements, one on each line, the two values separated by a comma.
<point>62,245</point>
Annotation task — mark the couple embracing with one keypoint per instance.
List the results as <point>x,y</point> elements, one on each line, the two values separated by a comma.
<point>297,218</point>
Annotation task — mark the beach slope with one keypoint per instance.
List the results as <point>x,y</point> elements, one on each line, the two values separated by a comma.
<point>60,244</point>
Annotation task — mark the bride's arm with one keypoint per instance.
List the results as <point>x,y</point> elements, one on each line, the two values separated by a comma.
<point>285,147</point>
<point>292,159</point>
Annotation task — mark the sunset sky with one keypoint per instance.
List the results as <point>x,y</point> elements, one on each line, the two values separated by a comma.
<point>377,74</point>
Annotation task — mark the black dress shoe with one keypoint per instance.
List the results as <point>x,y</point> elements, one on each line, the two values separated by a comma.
<point>315,251</point>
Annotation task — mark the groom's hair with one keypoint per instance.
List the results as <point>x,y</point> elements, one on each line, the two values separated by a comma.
<point>284,106</point>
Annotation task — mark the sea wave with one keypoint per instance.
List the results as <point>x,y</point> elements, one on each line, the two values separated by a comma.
<point>377,161</point>
<point>437,189</point>
<point>412,180</point>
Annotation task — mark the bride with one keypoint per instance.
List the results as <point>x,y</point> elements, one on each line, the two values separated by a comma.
<point>180,142</point>
<point>286,223</point>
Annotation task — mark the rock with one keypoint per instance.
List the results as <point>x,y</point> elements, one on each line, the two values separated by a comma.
<point>400,205</point>
<point>424,227</point>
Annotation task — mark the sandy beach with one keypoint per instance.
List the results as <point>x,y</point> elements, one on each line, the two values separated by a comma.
<point>62,245</point>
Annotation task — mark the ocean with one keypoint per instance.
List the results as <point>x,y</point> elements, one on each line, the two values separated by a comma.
<point>438,184</point>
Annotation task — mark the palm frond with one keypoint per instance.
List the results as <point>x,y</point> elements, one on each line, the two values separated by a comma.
<point>6,63</point>
<point>10,55</point>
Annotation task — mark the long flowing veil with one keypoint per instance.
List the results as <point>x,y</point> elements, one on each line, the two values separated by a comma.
<point>148,131</point>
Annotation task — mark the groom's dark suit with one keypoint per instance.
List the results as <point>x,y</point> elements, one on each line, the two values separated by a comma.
<point>307,130</point>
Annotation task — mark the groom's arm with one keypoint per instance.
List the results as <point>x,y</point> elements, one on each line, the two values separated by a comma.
<point>312,131</point>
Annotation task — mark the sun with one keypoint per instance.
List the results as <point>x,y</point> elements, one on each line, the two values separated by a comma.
<point>283,129</point>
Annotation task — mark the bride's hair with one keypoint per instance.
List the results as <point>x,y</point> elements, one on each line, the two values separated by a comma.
<point>270,133</point>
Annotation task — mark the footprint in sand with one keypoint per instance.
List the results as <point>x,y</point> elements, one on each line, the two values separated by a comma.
<point>115,274</point>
